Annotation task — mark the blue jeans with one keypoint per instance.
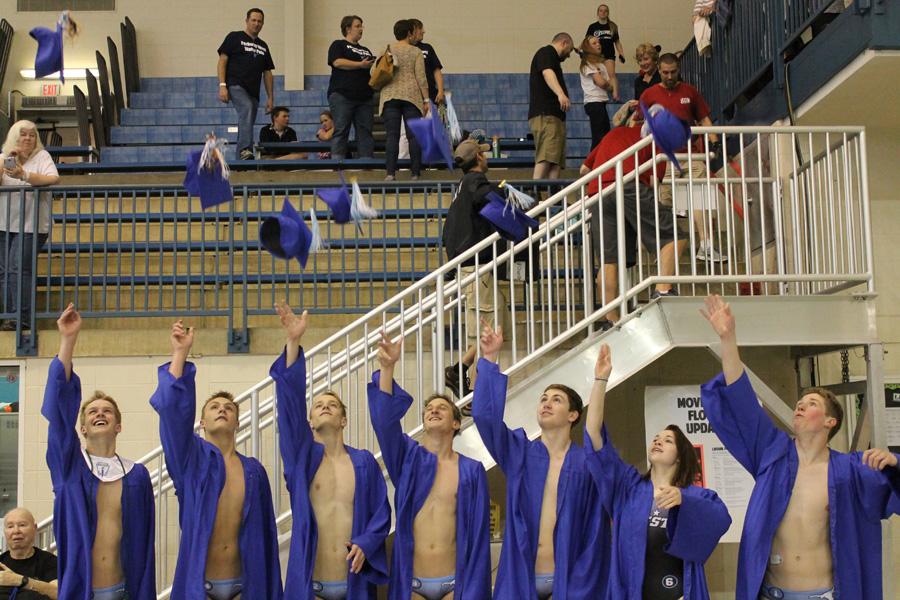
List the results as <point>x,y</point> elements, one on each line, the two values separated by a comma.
<point>392,113</point>
<point>358,113</point>
<point>246,106</point>
<point>14,257</point>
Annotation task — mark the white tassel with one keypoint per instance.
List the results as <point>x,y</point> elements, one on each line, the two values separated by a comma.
<point>522,200</point>
<point>213,153</point>
<point>317,242</point>
<point>359,210</point>
<point>452,120</point>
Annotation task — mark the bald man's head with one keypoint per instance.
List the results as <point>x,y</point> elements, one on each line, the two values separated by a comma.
<point>19,529</point>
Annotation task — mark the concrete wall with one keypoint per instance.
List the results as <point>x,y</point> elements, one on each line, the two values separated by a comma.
<point>180,39</point>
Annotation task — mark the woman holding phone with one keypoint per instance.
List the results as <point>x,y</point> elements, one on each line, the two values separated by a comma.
<point>24,216</point>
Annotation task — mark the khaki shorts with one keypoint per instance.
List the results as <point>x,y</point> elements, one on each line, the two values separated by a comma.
<point>483,306</point>
<point>549,139</point>
<point>697,171</point>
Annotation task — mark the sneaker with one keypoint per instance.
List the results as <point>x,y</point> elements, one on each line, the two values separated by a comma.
<point>247,154</point>
<point>604,325</point>
<point>8,325</point>
<point>706,252</point>
<point>668,294</point>
<point>389,178</point>
<point>451,381</point>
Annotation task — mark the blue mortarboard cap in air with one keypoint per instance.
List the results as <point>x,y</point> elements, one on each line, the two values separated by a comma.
<point>347,205</point>
<point>49,58</point>
<point>669,132</point>
<point>511,222</point>
<point>286,235</point>
<point>207,173</point>
<point>432,137</point>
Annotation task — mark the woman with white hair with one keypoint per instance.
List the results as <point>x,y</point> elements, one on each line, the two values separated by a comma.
<point>24,216</point>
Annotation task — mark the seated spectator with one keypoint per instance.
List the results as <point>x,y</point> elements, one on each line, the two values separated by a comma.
<point>607,32</point>
<point>279,132</point>
<point>26,572</point>
<point>25,163</point>
<point>595,85</point>
<point>326,131</point>
<point>404,98</point>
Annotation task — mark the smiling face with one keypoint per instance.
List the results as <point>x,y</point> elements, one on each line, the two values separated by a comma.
<point>100,417</point>
<point>555,410</point>
<point>441,416</point>
<point>647,63</point>
<point>19,529</point>
<point>327,411</point>
<point>26,143</point>
<point>219,415</point>
<point>663,450</point>
<point>811,415</point>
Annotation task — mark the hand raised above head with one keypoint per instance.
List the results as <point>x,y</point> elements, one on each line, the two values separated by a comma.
<point>69,322</point>
<point>491,340</point>
<point>603,366</point>
<point>294,326</point>
<point>182,337</point>
<point>388,351</point>
<point>878,459</point>
<point>718,313</point>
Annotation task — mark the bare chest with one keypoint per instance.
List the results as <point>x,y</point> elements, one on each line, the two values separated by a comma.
<point>334,483</point>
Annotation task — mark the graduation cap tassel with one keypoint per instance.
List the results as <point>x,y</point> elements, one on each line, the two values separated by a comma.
<point>359,210</point>
<point>213,156</point>
<point>521,200</point>
<point>317,242</point>
<point>452,120</point>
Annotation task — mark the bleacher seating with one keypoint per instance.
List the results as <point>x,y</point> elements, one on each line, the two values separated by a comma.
<point>170,113</point>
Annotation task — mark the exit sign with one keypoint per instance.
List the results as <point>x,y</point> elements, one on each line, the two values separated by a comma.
<point>51,89</point>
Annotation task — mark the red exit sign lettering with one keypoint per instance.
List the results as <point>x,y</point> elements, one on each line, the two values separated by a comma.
<point>51,89</point>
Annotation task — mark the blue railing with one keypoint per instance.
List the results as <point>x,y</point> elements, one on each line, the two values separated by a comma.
<point>749,52</point>
<point>139,251</point>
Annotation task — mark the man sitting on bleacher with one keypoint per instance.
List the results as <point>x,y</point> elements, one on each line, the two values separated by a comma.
<point>279,132</point>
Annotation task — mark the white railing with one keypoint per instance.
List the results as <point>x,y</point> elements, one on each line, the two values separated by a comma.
<point>790,214</point>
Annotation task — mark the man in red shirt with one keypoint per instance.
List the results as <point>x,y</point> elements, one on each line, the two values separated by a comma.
<point>642,214</point>
<point>685,102</point>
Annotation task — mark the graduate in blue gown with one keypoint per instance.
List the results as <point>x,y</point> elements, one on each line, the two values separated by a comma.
<point>664,527</point>
<point>343,556</point>
<point>442,539</point>
<point>87,482</point>
<point>229,543</point>
<point>565,549</point>
<point>826,543</point>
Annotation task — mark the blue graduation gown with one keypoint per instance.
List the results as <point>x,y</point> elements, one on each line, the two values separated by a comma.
<point>412,469</point>
<point>581,541</point>
<point>302,456</point>
<point>197,470</point>
<point>858,496</point>
<point>694,527</point>
<point>75,502</point>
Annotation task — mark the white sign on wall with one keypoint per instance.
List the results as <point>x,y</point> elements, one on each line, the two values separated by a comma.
<point>680,405</point>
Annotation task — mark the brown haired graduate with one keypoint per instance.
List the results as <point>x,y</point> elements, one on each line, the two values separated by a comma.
<point>664,527</point>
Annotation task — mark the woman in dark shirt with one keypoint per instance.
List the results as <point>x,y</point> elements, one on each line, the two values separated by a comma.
<point>647,57</point>
<point>608,33</point>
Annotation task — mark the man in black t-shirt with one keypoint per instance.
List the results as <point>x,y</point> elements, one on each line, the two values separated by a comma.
<point>433,66</point>
<point>349,94</point>
<point>548,101</point>
<point>245,61</point>
<point>29,570</point>
<point>279,132</point>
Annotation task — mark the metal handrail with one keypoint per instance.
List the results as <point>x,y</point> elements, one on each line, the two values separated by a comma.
<point>789,225</point>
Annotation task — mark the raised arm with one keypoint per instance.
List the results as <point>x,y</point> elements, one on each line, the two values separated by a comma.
<point>62,398</point>
<point>489,403</point>
<point>594,422</point>
<point>175,401</point>
<point>718,313</point>
<point>289,372</point>
<point>876,480</point>
<point>388,402</point>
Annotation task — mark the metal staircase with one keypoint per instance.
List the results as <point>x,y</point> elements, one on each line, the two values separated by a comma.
<point>790,212</point>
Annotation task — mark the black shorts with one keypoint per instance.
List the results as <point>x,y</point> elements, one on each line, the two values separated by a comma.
<point>649,209</point>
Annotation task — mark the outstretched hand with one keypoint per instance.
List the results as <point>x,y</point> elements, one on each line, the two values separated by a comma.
<point>69,322</point>
<point>293,325</point>
<point>603,366</point>
<point>718,313</point>
<point>491,340</point>
<point>878,459</point>
<point>182,337</point>
<point>388,351</point>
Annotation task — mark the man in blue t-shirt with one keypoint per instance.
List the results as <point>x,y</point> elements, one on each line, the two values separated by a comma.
<point>349,94</point>
<point>244,62</point>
